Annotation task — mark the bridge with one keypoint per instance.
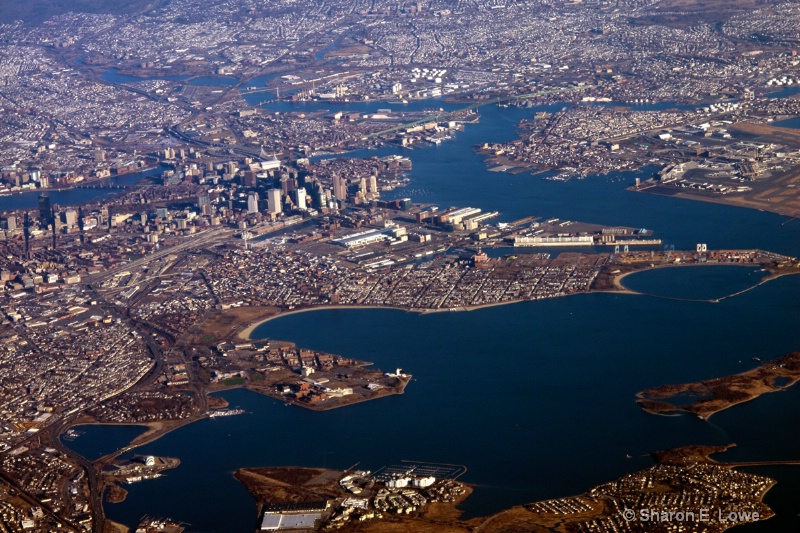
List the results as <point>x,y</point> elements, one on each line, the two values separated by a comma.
<point>102,186</point>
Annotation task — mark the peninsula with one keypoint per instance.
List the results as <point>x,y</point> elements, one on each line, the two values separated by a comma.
<point>308,378</point>
<point>414,497</point>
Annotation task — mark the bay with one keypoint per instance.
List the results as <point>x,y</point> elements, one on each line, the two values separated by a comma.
<point>535,398</point>
<point>452,174</point>
<point>96,440</point>
<point>703,282</point>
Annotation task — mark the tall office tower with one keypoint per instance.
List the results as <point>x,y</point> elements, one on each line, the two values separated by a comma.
<point>249,178</point>
<point>300,198</point>
<point>373,183</point>
<point>8,223</point>
<point>203,200</point>
<point>252,202</point>
<point>322,200</point>
<point>362,186</point>
<point>27,226</point>
<point>274,201</point>
<point>340,188</point>
<point>70,217</point>
<point>45,215</point>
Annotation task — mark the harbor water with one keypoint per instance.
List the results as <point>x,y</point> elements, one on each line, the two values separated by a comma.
<point>536,399</point>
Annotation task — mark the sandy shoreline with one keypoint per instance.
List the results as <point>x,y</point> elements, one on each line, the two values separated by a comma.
<point>769,277</point>
<point>247,333</point>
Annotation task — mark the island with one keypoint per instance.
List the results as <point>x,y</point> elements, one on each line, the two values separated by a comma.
<point>705,398</point>
<point>425,497</point>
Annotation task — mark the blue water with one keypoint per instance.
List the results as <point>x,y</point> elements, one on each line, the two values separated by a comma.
<point>335,45</point>
<point>788,123</point>
<point>535,398</point>
<point>782,497</point>
<point>784,93</point>
<point>695,282</point>
<point>30,199</point>
<point>98,440</point>
<point>452,174</point>
<point>261,81</point>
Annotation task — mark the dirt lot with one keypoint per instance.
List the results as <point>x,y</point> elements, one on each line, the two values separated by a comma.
<point>221,325</point>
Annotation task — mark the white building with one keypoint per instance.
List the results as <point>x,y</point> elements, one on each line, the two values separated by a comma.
<point>300,198</point>
<point>274,201</point>
<point>252,202</point>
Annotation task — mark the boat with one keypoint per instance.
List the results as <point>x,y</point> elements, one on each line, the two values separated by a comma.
<point>72,434</point>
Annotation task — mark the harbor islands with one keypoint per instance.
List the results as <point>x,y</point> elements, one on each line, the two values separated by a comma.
<point>704,398</point>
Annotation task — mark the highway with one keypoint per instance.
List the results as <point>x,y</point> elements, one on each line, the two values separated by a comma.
<point>198,241</point>
<point>52,433</point>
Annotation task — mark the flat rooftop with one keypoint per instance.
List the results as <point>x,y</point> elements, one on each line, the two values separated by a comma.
<point>277,521</point>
